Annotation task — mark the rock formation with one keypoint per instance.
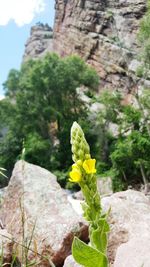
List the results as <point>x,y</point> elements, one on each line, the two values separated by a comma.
<point>36,210</point>
<point>129,241</point>
<point>6,246</point>
<point>39,42</point>
<point>104,33</point>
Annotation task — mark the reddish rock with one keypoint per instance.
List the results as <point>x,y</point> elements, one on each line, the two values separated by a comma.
<point>104,33</point>
<point>35,206</point>
<point>6,247</point>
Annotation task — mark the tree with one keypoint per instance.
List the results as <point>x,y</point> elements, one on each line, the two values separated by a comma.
<point>42,103</point>
<point>12,83</point>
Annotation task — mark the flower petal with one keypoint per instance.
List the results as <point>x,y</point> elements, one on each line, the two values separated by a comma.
<point>75,175</point>
<point>89,166</point>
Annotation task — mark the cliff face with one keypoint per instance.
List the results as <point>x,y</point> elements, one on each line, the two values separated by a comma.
<point>104,33</point>
<point>39,42</point>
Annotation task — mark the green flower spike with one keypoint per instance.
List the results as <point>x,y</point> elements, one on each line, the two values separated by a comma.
<point>83,173</point>
<point>80,147</point>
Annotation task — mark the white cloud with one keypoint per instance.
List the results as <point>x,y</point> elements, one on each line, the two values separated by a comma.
<point>21,11</point>
<point>2,97</point>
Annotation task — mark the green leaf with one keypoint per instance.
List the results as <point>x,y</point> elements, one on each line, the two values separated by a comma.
<point>104,225</point>
<point>99,240</point>
<point>87,256</point>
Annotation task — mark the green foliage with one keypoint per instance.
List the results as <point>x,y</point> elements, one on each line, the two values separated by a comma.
<point>12,83</point>
<point>88,256</point>
<point>144,39</point>
<point>10,149</point>
<point>124,154</point>
<point>41,104</point>
<point>108,113</point>
<point>35,145</point>
<point>145,104</point>
<point>61,177</point>
<point>72,187</point>
<point>3,177</point>
<point>118,183</point>
<point>140,71</point>
<point>117,41</point>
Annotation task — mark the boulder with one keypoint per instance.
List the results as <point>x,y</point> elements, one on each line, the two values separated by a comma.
<point>129,239</point>
<point>129,242</point>
<point>36,210</point>
<point>105,186</point>
<point>6,246</point>
<point>70,262</point>
<point>134,253</point>
<point>2,194</point>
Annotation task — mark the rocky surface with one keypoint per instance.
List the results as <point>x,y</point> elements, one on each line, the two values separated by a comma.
<point>6,246</point>
<point>36,208</point>
<point>69,262</point>
<point>39,42</point>
<point>104,187</point>
<point>2,194</point>
<point>104,33</point>
<point>129,241</point>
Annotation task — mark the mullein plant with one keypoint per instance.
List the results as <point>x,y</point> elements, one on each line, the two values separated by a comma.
<point>84,173</point>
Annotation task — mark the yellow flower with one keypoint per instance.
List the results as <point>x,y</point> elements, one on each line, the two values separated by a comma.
<point>89,166</point>
<point>75,174</point>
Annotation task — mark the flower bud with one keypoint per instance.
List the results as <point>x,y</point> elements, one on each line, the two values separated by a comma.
<point>87,156</point>
<point>79,163</point>
<point>80,146</point>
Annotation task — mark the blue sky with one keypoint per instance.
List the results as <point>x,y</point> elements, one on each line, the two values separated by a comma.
<point>15,30</point>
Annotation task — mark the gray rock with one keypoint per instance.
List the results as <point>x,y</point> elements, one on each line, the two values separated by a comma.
<point>130,224</point>
<point>134,65</point>
<point>129,241</point>
<point>2,192</point>
<point>2,195</point>
<point>39,43</point>
<point>134,253</point>
<point>36,205</point>
<point>105,186</point>
<point>70,262</point>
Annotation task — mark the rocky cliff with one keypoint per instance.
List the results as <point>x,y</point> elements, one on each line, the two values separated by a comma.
<point>39,42</point>
<point>103,32</point>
